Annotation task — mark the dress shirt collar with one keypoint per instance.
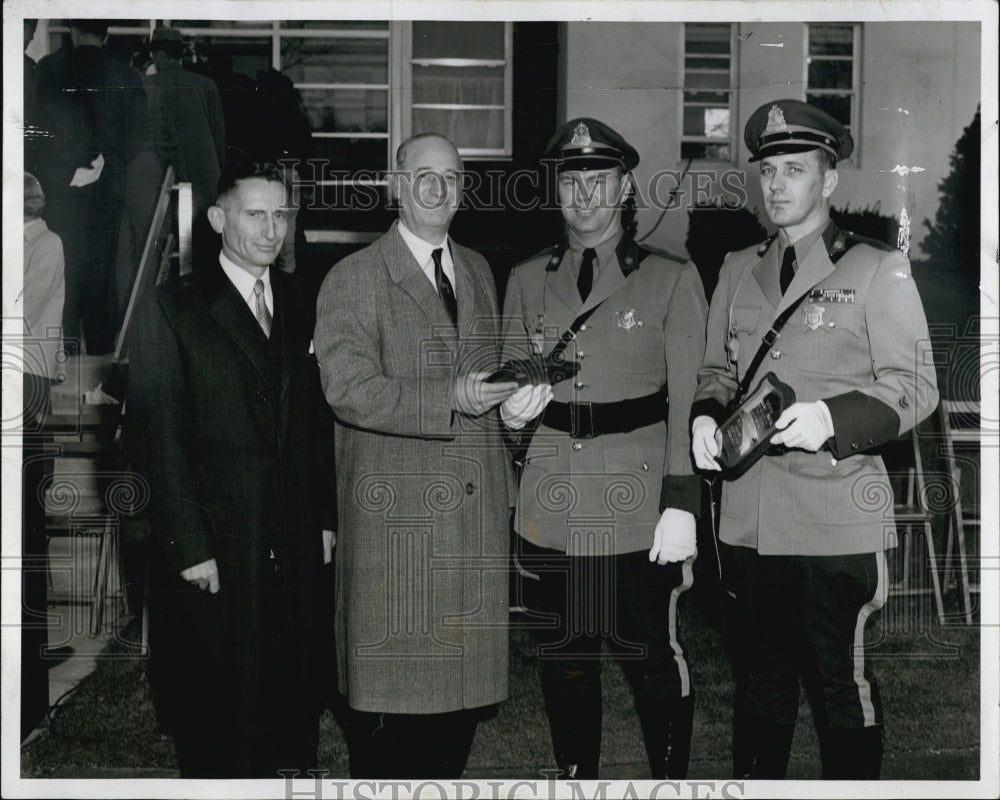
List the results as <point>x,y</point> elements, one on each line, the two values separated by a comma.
<point>244,283</point>
<point>605,249</point>
<point>422,252</point>
<point>804,243</point>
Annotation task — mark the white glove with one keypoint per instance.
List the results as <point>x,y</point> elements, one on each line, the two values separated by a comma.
<point>704,445</point>
<point>524,405</point>
<point>806,426</point>
<point>675,538</point>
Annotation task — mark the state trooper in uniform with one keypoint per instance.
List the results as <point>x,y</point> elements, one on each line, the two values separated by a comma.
<point>607,499</point>
<point>804,530</point>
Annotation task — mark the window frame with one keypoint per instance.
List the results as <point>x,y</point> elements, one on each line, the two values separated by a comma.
<point>731,90</point>
<point>854,93</point>
<point>407,62</point>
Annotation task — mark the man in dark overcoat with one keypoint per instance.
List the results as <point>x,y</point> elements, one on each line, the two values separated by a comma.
<point>406,333</point>
<point>224,422</point>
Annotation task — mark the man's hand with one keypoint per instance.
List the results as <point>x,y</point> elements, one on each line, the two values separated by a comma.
<point>704,445</point>
<point>204,575</point>
<point>805,426</point>
<point>473,396</point>
<point>329,541</point>
<point>675,538</point>
<point>524,405</point>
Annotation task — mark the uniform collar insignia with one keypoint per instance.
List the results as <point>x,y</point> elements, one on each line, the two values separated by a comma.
<point>775,120</point>
<point>581,136</point>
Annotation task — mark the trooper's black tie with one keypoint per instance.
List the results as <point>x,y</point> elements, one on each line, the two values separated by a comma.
<point>585,280</point>
<point>787,269</point>
<point>444,287</point>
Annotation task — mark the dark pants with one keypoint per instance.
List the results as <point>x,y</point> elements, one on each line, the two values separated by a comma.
<point>804,617</point>
<point>398,746</point>
<point>235,708</point>
<point>578,603</point>
<point>36,468</point>
<point>88,220</point>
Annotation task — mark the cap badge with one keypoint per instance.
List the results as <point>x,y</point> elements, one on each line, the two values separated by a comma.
<point>581,136</point>
<point>775,120</point>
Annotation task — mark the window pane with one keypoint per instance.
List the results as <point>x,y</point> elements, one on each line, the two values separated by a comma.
<point>831,74</point>
<point>837,106</point>
<point>337,24</point>
<point>706,80</point>
<point>348,208</point>
<point>715,98</point>
<point>483,129</point>
<point>335,60</point>
<point>228,24</point>
<point>458,40</point>
<point>699,121</point>
<point>246,56</point>
<point>707,62</point>
<point>706,37</point>
<point>705,151</point>
<point>831,40</point>
<point>347,110</point>
<point>350,155</point>
<point>463,85</point>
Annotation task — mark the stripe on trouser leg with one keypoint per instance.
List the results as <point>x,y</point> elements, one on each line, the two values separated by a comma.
<point>858,651</point>
<point>687,581</point>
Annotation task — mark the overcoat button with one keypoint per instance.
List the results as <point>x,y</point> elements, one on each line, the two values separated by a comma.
<point>854,445</point>
<point>775,354</point>
<point>645,467</point>
<point>469,488</point>
<point>577,446</point>
<point>583,327</point>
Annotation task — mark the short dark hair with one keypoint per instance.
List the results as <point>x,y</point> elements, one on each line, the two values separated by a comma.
<point>827,160</point>
<point>241,169</point>
<point>95,27</point>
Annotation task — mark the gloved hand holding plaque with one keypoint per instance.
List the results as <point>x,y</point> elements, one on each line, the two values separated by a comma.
<point>535,371</point>
<point>745,436</point>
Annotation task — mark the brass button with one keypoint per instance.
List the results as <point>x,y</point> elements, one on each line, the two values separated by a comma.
<point>832,324</point>
<point>583,327</point>
<point>645,467</point>
<point>775,354</point>
<point>580,354</point>
<point>579,385</point>
<point>904,402</point>
<point>577,446</point>
<point>639,323</point>
<point>469,488</point>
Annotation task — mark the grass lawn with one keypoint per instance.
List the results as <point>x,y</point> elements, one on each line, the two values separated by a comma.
<point>929,677</point>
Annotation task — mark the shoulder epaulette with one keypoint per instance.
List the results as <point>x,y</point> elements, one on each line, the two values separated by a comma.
<point>554,254</point>
<point>646,250</point>
<point>851,239</point>
<point>762,247</point>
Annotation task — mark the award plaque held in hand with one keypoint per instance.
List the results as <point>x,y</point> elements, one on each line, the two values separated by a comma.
<point>535,371</point>
<point>746,434</point>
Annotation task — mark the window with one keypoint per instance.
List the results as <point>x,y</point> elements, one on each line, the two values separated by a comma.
<point>364,84</point>
<point>460,79</point>
<point>707,102</point>
<point>832,72</point>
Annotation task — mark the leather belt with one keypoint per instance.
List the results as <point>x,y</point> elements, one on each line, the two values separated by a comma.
<point>587,420</point>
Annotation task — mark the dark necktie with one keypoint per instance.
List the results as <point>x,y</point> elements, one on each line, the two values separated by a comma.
<point>787,269</point>
<point>444,287</point>
<point>585,280</point>
<point>263,315</point>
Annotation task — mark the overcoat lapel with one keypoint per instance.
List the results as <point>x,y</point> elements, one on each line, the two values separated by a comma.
<point>406,272</point>
<point>230,311</point>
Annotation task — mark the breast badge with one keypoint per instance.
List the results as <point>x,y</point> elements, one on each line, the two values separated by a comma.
<point>814,316</point>
<point>627,320</point>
